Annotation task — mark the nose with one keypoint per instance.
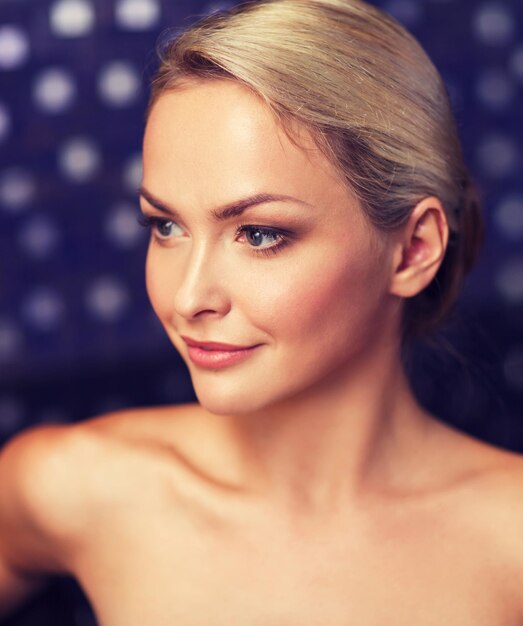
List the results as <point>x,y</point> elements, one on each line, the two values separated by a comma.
<point>201,288</point>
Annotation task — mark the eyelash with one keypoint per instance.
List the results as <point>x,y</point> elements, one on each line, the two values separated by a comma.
<point>283,238</point>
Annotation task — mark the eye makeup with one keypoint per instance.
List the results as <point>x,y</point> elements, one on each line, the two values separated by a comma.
<point>281,238</point>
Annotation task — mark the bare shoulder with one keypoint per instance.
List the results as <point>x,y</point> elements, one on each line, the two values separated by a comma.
<point>482,481</point>
<point>34,467</point>
<point>54,479</point>
<point>499,508</point>
<point>503,482</point>
<point>489,483</point>
<point>38,504</point>
<point>476,496</point>
<point>141,426</point>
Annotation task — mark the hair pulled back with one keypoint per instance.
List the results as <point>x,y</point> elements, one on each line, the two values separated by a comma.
<point>371,98</point>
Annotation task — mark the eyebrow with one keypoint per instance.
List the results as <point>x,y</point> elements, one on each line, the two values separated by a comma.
<point>229,210</point>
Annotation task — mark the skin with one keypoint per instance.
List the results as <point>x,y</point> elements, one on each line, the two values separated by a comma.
<point>311,416</point>
<point>307,486</point>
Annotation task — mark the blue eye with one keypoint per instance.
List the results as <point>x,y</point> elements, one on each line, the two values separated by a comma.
<point>161,227</point>
<point>256,234</point>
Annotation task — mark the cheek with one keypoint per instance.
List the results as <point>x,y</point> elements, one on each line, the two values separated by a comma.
<point>317,296</point>
<point>323,300</point>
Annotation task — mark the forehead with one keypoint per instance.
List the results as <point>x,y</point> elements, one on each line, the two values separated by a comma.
<point>210,142</point>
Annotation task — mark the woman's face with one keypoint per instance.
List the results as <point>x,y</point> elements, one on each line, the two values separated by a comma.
<point>309,285</point>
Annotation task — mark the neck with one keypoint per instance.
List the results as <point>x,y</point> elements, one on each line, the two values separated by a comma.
<point>358,430</point>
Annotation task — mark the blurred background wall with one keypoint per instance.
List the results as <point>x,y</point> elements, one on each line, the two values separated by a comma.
<point>77,335</point>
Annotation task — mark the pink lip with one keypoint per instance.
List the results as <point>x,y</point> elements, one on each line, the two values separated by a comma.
<point>213,345</point>
<point>213,354</point>
<point>218,358</point>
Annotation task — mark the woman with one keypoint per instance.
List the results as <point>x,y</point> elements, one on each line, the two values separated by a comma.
<point>310,209</point>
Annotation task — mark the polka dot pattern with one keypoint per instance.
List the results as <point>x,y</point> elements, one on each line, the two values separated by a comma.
<point>118,84</point>
<point>14,47</point>
<point>79,159</point>
<point>71,18</point>
<point>43,309</point>
<point>38,237</point>
<point>107,298</point>
<point>137,14</point>
<point>494,23</point>
<point>17,189</point>
<point>54,90</point>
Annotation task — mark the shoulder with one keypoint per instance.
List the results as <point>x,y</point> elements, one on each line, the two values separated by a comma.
<point>492,499</point>
<point>37,511</point>
<point>481,500</point>
<point>502,483</point>
<point>481,482</point>
<point>500,514</point>
<point>488,473</point>
<point>54,478</point>
<point>34,467</point>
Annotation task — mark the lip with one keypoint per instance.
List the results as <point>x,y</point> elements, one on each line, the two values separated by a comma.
<point>214,355</point>
<point>214,345</point>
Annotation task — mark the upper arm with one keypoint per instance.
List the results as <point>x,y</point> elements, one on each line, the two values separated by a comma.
<point>39,512</point>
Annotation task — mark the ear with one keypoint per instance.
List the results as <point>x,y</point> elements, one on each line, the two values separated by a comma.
<point>420,248</point>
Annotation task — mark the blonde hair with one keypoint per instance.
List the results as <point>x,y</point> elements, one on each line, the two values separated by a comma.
<point>372,99</point>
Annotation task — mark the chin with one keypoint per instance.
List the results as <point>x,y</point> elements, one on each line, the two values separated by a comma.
<point>235,392</point>
<point>221,404</point>
<point>243,397</point>
<point>222,399</point>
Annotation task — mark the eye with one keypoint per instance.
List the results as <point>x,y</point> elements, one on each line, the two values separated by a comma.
<point>255,236</point>
<point>161,228</point>
<point>277,239</point>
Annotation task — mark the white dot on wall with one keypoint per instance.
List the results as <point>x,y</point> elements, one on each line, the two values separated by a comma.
<point>119,84</point>
<point>11,340</point>
<point>508,216</point>
<point>509,280</point>
<point>495,89</point>
<point>498,155</point>
<point>5,121</point>
<point>54,90</point>
<point>407,12</point>
<point>14,47</point>
<point>43,309</point>
<point>12,415</point>
<point>17,189</point>
<point>121,225</point>
<point>38,237</point>
<point>79,159</point>
<point>513,368</point>
<point>71,18</point>
<point>137,14</point>
<point>132,173</point>
<point>106,299</point>
<point>494,23</point>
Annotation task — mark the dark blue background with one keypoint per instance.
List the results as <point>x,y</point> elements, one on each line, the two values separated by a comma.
<point>77,334</point>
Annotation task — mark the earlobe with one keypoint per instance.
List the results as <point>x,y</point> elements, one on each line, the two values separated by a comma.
<point>420,249</point>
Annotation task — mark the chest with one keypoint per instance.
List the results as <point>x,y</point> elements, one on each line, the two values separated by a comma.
<point>151,567</point>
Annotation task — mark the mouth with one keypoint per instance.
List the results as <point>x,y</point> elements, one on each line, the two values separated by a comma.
<point>208,358</point>
<point>215,346</point>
